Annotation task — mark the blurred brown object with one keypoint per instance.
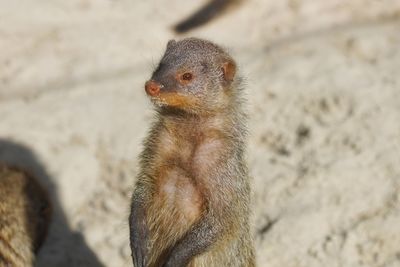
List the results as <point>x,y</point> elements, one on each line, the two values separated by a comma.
<point>25,213</point>
<point>205,14</point>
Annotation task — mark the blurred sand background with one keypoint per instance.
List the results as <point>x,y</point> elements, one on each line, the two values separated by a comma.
<point>323,83</point>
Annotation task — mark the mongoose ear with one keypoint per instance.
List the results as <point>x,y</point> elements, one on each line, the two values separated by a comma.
<point>229,70</point>
<point>170,44</point>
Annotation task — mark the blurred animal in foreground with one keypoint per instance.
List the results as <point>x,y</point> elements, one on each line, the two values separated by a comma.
<point>24,217</point>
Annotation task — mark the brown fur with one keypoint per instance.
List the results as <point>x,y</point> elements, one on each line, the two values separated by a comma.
<point>24,217</point>
<point>191,201</point>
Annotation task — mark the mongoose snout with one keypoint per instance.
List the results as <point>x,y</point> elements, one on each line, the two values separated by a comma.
<point>152,88</point>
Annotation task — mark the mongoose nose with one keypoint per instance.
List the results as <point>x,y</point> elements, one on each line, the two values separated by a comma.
<point>152,88</point>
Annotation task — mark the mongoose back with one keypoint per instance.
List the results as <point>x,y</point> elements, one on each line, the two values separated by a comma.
<point>24,217</point>
<point>190,206</point>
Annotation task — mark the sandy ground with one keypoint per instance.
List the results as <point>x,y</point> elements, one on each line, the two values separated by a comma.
<point>323,84</point>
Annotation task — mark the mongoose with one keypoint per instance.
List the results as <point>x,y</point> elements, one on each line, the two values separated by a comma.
<point>208,12</point>
<point>190,206</point>
<point>24,217</point>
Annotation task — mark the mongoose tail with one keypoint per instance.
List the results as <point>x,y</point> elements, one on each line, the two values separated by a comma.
<point>211,10</point>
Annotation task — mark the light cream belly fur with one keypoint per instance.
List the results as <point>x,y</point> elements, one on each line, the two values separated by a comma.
<point>177,204</point>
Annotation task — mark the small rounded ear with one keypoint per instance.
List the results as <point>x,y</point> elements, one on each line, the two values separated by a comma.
<point>171,43</point>
<point>229,70</point>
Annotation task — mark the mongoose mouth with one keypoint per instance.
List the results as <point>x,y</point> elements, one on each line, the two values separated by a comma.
<point>174,99</point>
<point>169,98</point>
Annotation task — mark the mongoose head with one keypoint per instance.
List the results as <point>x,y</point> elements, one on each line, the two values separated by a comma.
<point>193,76</point>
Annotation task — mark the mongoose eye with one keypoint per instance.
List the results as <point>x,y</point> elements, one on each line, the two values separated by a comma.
<point>187,76</point>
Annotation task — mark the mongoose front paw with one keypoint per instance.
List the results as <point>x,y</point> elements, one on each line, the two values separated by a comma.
<point>139,257</point>
<point>177,260</point>
<point>139,248</point>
